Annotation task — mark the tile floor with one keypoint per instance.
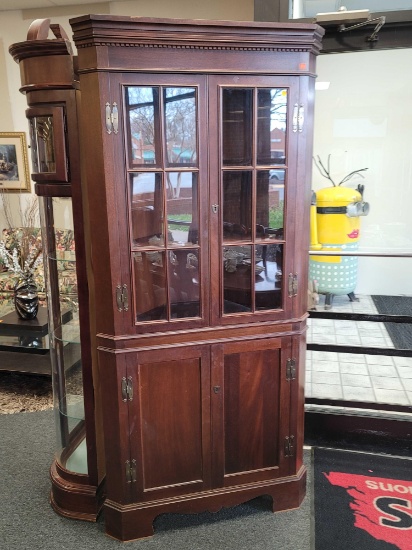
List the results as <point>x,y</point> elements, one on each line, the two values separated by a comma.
<point>356,377</point>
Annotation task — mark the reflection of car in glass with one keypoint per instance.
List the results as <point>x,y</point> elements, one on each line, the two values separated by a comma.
<point>277,175</point>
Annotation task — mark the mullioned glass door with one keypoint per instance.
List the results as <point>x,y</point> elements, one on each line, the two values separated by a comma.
<point>256,160</point>
<point>165,186</point>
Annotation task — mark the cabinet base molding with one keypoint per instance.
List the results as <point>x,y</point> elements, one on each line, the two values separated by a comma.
<point>75,498</point>
<point>129,522</point>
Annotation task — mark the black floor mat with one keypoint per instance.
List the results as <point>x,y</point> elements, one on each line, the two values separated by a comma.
<point>400,333</point>
<point>362,501</point>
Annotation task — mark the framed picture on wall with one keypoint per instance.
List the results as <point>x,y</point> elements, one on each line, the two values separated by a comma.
<point>14,168</point>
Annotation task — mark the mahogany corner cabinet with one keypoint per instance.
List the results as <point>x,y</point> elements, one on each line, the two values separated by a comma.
<point>196,153</point>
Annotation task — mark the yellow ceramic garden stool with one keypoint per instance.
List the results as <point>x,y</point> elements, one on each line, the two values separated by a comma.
<point>335,225</point>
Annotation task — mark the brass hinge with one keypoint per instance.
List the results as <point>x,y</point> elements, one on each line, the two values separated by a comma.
<point>298,118</point>
<point>289,445</point>
<point>130,471</point>
<point>122,298</point>
<point>112,118</point>
<point>293,285</point>
<point>295,118</point>
<point>127,388</point>
<point>291,369</point>
<point>301,117</point>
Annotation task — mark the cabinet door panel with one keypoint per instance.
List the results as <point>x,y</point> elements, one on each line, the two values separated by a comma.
<point>162,202</point>
<point>253,174</point>
<point>250,410</point>
<point>170,421</point>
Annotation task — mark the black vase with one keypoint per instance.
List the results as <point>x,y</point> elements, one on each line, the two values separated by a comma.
<point>26,298</point>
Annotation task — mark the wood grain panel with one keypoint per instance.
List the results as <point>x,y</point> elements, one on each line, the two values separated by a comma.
<point>251,410</point>
<point>171,422</point>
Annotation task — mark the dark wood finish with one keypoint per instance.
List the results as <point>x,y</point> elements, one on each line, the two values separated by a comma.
<point>170,415</point>
<point>73,496</point>
<point>198,411</point>
<point>136,521</point>
<point>251,410</point>
<point>11,322</point>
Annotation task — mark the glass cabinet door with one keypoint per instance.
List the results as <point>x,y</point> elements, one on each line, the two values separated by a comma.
<point>164,189</point>
<point>64,330</point>
<point>48,146</point>
<point>256,171</point>
<point>245,153</point>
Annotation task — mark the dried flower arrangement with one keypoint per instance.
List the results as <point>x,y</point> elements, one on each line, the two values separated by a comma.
<point>21,250</point>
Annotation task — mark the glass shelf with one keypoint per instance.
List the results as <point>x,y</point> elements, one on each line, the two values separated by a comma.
<point>65,257</point>
<point>73,408</point>
<point>68,333</point>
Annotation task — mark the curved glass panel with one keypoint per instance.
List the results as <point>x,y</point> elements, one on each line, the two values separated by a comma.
<point>64,330</point>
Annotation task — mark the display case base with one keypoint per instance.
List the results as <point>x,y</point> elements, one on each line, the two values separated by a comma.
<point>73,496</point>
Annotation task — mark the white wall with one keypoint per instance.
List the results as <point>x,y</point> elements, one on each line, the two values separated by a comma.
<point>364,120</point>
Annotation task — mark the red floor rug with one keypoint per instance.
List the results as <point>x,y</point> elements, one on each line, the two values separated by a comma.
<point>362,501</point>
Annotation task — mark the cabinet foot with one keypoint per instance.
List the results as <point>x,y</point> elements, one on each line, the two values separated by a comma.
<point>127,522</point>
<point>291,497</point>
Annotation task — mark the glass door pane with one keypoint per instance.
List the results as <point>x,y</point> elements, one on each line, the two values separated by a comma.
<point>164,201</point>
<point>237,126</point>
<point>253,187</point>
<point>180,124</point>
<point>147,204</point>
<point>271,127</point>
<point>143,109</point>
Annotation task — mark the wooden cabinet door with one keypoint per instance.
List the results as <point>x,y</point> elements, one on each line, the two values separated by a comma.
<point>169,421</point>
<point>253,175</point>
<point>162,200</point>
<point>250,410</point>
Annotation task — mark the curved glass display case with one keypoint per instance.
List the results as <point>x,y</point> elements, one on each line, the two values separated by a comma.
<point>65,337</point>
<point>52,92</point>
